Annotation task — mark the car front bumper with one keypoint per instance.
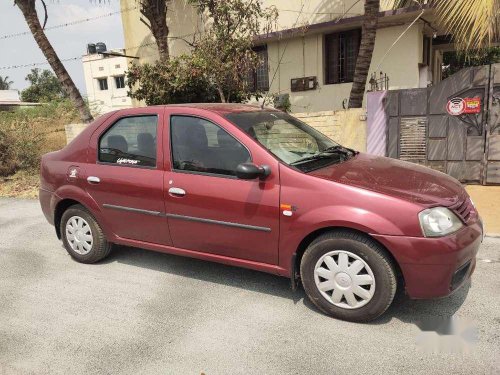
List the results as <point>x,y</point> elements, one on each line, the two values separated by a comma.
<point>435,267</point>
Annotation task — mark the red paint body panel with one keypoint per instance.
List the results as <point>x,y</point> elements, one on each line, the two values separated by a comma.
<point>249,202</point>
<point>396,178</point>
<point>140,188</point>
<point>378,196</point>
<point>428,264</point>
<point>264,267</point>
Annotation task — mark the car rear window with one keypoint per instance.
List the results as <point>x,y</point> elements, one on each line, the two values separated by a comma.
<point>130,141</point>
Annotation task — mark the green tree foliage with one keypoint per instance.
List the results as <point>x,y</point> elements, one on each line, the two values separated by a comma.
<point>179,80</point>
<point>220,60</point>
<point>454,61</point>
<point>44,87</point>
<point>5,83</point>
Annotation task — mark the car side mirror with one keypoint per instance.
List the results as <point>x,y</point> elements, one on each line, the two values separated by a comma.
<point>250,171</point>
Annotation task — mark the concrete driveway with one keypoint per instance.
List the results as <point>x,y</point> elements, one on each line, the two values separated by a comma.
<point>145,312</point>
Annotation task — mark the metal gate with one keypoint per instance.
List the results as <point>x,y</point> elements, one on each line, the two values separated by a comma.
<point>466,146</point>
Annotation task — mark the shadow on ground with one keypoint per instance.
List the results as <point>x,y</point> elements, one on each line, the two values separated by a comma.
<point>404,309</point>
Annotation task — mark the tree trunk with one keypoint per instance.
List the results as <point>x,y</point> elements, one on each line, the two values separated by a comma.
<point>30,15</point>
<point>364,59</point>
<point>221,94</point>
<point>156,13</point>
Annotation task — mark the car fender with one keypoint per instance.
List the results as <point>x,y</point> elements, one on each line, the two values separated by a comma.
<point>80,195</point>
<point>350,217</point>
<point>333,216</point>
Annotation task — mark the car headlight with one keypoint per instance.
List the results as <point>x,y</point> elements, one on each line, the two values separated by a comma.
<point>438,222</point>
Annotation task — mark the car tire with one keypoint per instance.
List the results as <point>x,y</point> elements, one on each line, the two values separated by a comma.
<point>341,296</point>
<point>82,236</point>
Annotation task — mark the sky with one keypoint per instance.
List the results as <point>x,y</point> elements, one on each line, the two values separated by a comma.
<point>70,41</point>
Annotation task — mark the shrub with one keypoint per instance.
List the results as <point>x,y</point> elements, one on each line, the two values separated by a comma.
<point>7,155</point>
<point>28,133</point>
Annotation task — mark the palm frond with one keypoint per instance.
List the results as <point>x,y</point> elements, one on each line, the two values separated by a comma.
<point>475,24</point>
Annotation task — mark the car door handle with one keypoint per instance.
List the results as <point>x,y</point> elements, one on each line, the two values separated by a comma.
<point>177,191</point>
<point>93,180</point>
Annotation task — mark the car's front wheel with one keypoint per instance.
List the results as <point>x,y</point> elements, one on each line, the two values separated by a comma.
<point>82,236</point>
<point>348,276</point>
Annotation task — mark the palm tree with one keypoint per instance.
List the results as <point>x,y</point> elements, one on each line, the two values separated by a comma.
<point>28,9</point>
<point>156,13</point>
<point>474,24</point>
<point>5,83</point>
<point>368,34</point>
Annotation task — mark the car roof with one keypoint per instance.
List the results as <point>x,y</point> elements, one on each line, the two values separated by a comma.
<point>221,108</point>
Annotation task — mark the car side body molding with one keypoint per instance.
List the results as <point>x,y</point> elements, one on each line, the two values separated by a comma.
<point>188,218</point>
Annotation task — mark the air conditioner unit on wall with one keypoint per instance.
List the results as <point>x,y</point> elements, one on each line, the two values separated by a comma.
<point>303,84</point>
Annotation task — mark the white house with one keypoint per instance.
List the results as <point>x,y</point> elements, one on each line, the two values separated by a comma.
<point>312,55</point>
<point>104,73</point>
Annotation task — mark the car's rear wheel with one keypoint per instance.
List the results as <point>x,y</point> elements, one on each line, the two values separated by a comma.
<point>82,236</point>
<point>348,276</point>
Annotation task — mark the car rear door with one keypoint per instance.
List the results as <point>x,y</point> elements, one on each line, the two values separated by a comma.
<point>208,208</point>
<point>125,174</point>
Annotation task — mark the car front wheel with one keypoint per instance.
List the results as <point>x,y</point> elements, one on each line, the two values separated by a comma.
<point>82,236</point>
<point>348,275</point>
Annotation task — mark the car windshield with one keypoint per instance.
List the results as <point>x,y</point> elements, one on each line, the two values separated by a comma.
<point>290,140</point>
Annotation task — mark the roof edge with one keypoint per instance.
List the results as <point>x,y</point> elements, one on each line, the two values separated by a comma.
<point>291,32</point>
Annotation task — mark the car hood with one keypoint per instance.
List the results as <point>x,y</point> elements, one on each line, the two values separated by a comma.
<point>396,178</point>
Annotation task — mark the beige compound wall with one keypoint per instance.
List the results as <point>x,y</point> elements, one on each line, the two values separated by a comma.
<point>347,127</point>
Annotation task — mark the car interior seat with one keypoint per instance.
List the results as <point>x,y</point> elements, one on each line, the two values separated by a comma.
<point>118,142</point>
<point>146,145</point>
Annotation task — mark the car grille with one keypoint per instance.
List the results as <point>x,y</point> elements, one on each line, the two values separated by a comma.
<point>463,209</point>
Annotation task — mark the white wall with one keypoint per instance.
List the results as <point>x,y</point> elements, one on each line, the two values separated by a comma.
<point>304,56</point>
<point>98,66</point>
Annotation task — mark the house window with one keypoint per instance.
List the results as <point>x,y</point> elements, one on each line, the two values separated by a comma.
<point>120,82</point>
<point>103,84</point>
<point>341,52</point>
<point>117,66</point>
<point>101,68</point>
<point>259,78</point>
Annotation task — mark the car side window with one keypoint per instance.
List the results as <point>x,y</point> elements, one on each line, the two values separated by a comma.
<point>199,145</point>
<point>130,141</point>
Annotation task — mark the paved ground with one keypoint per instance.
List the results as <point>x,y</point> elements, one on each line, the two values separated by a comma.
<point>144,312</point>
<point>487,201</point>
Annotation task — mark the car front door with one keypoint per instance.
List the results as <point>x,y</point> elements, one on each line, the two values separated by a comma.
<point>125,175</point>
<point>208,208</point>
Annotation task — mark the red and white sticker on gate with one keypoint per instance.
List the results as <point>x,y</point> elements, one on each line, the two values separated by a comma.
<point>460,106</point>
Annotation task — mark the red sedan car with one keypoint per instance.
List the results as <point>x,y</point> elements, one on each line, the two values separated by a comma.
<point>257,188</point>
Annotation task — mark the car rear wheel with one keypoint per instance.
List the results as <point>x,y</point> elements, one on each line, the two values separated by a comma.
<point>348,275</point>
<point>82,236</point>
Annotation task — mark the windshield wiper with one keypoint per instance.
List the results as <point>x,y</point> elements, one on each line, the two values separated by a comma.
<point>326,154</point>
<point>341,149</point>
<point>312,157</point>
